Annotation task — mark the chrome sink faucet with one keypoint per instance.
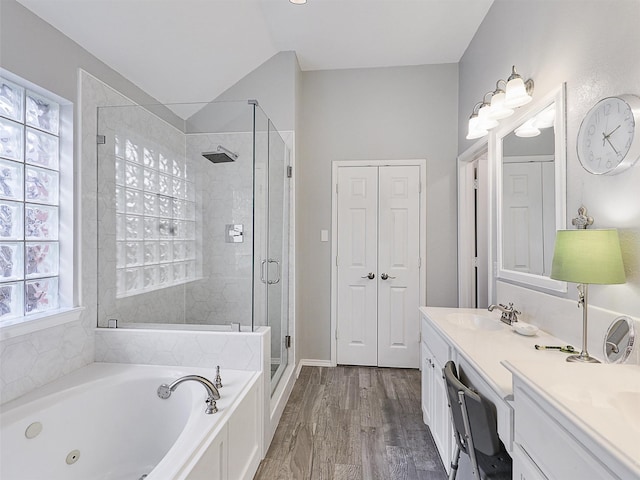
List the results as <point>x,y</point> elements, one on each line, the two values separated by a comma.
<point>509,314</point>
<point>164,391</point>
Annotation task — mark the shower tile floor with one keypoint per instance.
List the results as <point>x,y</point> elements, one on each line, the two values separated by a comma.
<point>353,423</point>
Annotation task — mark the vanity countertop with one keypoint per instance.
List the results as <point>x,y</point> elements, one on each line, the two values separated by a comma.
<point>600,400</point>
<point>484,348</point>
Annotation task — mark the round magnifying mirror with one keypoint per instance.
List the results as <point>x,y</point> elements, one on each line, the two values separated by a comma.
<point>618,342</point>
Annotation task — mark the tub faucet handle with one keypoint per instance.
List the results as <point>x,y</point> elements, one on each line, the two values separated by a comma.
<point>211,406</point>
<point>218,379</point>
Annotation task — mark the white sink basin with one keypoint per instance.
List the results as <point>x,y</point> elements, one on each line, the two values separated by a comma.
<point>470,321</point>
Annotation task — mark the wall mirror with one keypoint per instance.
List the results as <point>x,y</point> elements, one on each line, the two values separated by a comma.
<point>529,157</point>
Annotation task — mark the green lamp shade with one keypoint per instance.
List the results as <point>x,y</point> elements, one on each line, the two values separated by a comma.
<point>588,256</point>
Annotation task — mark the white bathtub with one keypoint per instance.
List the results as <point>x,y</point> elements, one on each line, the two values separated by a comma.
<point>106,422</point>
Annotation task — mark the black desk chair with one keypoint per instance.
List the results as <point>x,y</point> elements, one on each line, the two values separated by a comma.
<point>475,430</point>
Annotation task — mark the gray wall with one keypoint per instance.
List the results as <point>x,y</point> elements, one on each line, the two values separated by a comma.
<point>34,50</point>
<point>382,113</point>
<point>272,84</point>
<point>593,47</point>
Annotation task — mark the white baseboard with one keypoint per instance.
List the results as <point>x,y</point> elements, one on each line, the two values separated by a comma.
<point>310,362</point>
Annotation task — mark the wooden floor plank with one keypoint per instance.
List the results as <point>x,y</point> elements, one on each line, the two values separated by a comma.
<point>348,472</point>
<point>374,458</point>
<point>401,466</point>
<point>301,458</point>
<point>353,423</point>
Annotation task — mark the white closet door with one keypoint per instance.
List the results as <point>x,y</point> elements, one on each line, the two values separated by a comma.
<point>357,258</point>
<point>398,266</point>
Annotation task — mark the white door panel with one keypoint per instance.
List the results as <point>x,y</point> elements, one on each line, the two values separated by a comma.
<point>398,258</point>
<point>357,257</point>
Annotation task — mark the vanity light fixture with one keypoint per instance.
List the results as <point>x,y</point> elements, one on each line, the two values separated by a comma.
<point>518,92</point>
<point>532,127</point>
<point>498,109</point>
<point>528,129</point>
<point>584,257</point>
<point>502,103</point>
<point>475,129</point>
<point>484,115</point>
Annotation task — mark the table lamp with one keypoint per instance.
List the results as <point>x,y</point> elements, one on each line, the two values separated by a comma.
<point>584,257</point>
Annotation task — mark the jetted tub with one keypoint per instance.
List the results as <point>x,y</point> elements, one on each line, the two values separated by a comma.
<point>106,422</point>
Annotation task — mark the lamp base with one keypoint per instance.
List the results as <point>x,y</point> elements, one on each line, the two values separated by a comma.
<point>583,357</point>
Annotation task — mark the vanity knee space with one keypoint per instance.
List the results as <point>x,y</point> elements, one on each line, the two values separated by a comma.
<point>437,348</point>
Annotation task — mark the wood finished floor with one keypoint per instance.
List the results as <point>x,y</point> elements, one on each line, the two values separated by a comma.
<point>352,423</point>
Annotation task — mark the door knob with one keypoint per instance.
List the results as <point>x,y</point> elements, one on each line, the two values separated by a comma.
<point>370,276</point>
<point>384,276</point>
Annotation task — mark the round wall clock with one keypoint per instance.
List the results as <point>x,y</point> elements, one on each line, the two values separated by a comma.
<point>609,135</point>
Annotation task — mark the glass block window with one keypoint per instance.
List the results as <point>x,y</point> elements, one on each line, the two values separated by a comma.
<point>29,201</point>
<point>155,218</point>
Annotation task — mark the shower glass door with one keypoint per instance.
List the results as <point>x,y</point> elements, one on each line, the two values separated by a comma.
<point>271,242</point>
<point>277,253</point>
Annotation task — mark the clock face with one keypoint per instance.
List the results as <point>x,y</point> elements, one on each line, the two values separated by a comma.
<point>608,140</point>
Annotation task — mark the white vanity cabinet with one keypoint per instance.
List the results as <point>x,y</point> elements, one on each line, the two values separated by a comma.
<point>555,438</point>
<point>435,409</point>
<point>523,467</point>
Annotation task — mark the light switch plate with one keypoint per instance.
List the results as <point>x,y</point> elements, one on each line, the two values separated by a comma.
<point>234,233</point>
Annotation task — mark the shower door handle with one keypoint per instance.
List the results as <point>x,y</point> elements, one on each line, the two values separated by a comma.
<point>262,264</point>
<point>277,280</point>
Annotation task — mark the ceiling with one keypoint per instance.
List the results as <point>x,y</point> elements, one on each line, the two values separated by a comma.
<point>193,50</point>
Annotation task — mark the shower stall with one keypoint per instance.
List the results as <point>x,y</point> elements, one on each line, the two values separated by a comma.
<point>193,219</point>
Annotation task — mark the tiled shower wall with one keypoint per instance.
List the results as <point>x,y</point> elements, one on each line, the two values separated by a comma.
<point>224,194</point>
<point>165,305</point>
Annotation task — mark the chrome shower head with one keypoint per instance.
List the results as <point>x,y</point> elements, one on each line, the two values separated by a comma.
<point>221,155</point>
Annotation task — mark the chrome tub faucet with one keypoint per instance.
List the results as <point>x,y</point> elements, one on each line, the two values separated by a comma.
<point>164,391</point>
<point>509,314</point>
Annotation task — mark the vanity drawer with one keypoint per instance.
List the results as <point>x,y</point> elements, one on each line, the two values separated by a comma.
<point>436,343</point>
<point>523,467</point>
<point>557,453</point>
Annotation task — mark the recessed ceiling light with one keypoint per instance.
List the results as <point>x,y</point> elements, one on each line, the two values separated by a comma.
<point>298,2</point>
